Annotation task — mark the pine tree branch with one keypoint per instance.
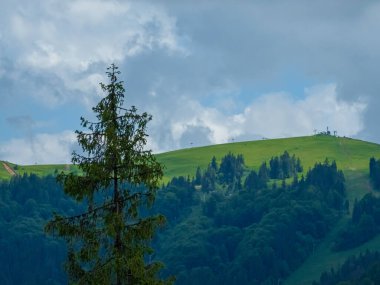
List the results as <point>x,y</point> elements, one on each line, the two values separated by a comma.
<point>87,214</point>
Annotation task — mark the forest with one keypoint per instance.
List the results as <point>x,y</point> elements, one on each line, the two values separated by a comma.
<point>363,269</point>
<point>225,225</point>
<point>240,227</point>
<point>364,223</point>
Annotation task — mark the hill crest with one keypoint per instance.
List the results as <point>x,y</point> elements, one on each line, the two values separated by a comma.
<point>350,154</point>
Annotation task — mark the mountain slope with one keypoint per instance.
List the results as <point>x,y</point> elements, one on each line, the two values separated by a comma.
<point>324,258</point>
<point>350,154</point>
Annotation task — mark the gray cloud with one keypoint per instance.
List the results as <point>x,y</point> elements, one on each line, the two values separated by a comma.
<point>257,43</point>
<point>198,71</point>
<point>195,136</point>
<point>45,149</point>
<point>23,123</point>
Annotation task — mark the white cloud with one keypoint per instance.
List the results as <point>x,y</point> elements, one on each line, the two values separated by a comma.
<point>191,124</point>
<point>67,38</point>
<point>187,66</point>
<point>272,115</point>
<point>279,115</point>
<point>41,149</point>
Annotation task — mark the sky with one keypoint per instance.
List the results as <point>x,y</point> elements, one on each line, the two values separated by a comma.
<point>209,72</point>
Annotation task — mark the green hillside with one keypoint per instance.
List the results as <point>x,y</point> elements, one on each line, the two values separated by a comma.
<point>3,172</point>
<point>40,170</point>
<point>350,154</point>
<point>324,258</point>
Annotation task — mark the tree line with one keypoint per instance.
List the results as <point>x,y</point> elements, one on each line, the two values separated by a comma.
<point>232,172</point>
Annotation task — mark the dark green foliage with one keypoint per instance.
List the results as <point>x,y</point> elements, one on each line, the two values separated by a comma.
<point>356,270</point>
<point>284,166</point>
<point>374,172</point>
<point>176,199</point>
<point>255,181</point>
<point>251,237</point>
<point>214,237</point>
<point>252,181</point>
<point>364,224</point>
<point>214,164</point>
<point>231,169</point>
<point>206,181</point>
<point>326,177</point>
<point>198,176</point>
<point>263,173</point>
<point>108,242</point>
<point>209,179</point>
<point>26,203</point>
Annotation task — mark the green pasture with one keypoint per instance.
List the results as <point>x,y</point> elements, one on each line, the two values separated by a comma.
<point>3,173</point>
<point>350,155</point>
<point>40,170</point>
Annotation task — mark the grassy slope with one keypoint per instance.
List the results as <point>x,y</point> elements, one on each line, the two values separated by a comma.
<point>352,156</point>
<point>349,154</point>
<point>41,170</point>
<point>3,173</point>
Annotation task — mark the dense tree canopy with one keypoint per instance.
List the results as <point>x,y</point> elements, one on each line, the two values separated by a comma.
<point>222,235</point>
<point>374,172</point>
<point>356,270</point>
<point>108,243</point>
<point>364,224</point>
<point>248,235</point>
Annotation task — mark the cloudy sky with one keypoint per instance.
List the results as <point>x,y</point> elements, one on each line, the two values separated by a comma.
<point>208,71</point>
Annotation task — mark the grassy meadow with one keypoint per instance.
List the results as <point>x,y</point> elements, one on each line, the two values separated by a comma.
<point>351,155</point>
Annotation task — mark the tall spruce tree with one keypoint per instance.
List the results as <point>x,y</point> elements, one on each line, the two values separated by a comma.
<point>109,242</point>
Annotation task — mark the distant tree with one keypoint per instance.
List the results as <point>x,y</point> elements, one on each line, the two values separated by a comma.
<point>299,167</point>
<point>372,166</point>
<point>374,172</point>
<point>284,166</point>
<point>252,181</point>
<point>231,168</point>
<point>198,176</point>
<point>209,179</point>
<point>274,164</point>
<point>214,164</point>
<point>263,174</point>
<point>107,243</point>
